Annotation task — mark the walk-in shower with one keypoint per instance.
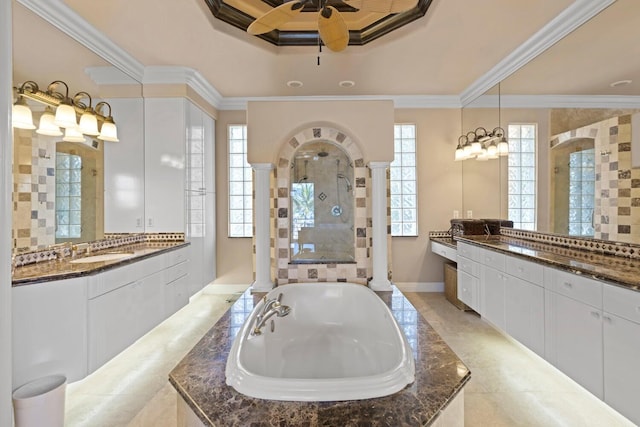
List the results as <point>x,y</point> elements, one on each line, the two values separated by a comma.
<point>322,204</point>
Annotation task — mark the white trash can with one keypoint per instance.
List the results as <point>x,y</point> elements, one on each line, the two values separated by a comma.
<point>40,403</point>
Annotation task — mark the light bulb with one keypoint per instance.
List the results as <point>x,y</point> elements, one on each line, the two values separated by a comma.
<point>503,147</point>
<point>21,116</point>
<point>109,132</point>
<point>73,134</point>
<point>89,123</point>
<point>65,116</point>
<point>459,154</point>
<point>46,126</point>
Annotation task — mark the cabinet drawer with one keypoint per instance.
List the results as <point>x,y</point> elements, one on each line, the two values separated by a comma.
<point>176,257</point>
<point>120,276</point>
<point>468,266</point>
<point>525,270</point>
<point>491,258</point>
<point>444,251</point>
<point>177,271</point>
<point>577,287</point>
<point>466,250</point>
<point>622,302</point>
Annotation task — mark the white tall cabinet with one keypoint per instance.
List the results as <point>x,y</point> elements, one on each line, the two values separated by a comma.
<point>179,179</point>
<point>124,170</point>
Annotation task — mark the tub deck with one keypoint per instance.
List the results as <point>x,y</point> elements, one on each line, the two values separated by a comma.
<point>200,380</point>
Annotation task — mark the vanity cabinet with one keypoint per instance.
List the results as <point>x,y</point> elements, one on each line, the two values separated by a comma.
<point>74,326</point>
<point>621,330</point>
<point>468,276</point>
<point>49,328</point>
<point>492,287</point>
<point>524,303</point>
<point>573,328</point>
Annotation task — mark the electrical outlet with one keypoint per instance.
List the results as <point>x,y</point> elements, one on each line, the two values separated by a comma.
<point>456,214</point>
<point>138,222</point>
<point>150,222</point>
<point>469,214</point>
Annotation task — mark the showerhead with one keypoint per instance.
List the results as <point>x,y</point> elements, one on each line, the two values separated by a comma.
<point>323,154</point>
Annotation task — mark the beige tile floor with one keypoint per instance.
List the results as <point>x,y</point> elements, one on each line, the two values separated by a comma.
<point>510,386</point>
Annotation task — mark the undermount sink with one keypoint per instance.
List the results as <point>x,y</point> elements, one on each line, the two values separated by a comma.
<point>102,258</point>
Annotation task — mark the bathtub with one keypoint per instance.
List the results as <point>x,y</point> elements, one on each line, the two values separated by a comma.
<point>340,341</point>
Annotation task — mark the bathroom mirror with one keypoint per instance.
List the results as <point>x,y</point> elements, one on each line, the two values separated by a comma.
<point>322,204</point>
<point>59,186</point>
<point>574,66</point>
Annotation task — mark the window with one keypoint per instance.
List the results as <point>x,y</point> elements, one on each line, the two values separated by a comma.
<point>522,175</point>
<point>240,184</point>
<point>68,196</point>
<point>582,184</point>
<point>404,194</point>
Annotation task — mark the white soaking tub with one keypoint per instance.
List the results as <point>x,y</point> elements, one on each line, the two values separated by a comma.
<point>339,341</point>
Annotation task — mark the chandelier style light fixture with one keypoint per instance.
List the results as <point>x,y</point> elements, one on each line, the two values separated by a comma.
<point>61,111</point>
<point>482,144</point>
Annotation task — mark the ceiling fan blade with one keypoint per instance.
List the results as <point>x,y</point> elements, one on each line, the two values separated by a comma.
<point>275,17</point>
<point>383,6</point>
<point>332,29</point>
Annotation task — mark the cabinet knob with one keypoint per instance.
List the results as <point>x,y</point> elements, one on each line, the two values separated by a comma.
<point>568,284</point>
<point>607,318</point>
<point>595,314</point>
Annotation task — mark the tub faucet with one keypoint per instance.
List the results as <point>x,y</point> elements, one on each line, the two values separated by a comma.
<point>271,307</point>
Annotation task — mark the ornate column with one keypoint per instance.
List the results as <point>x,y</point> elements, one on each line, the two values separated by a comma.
<point>263,282</point>
<point>380,280</point>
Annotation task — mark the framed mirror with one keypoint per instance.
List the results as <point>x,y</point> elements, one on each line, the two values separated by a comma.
<point>581,94</point>
<point>59,182</point>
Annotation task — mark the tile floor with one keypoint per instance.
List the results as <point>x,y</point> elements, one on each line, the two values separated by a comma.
<point>510,386</point>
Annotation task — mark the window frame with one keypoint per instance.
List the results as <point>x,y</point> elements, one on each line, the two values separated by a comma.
<point>519,224</point>
<point>413,181</point>
<point>246,183</point>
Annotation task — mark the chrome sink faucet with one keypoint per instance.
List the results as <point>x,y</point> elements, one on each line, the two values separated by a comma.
<point>271,307</point>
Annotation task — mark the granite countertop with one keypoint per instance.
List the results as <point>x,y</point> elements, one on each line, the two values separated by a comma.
<point>622,271</point>
<point>447,241</point>
<point>200,380</point>
<point>62,268</point>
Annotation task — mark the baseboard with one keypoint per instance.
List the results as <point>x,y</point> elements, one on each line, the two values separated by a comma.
<point>420,286</point>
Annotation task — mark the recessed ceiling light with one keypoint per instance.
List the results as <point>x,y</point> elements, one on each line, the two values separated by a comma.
<point>347,83</point>
<point>620,83</point>
<point>294,83</point>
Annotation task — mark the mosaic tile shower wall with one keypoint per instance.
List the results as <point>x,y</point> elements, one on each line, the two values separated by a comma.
<point>34,190</point>
<point>617,186</point>
<point>282,270</point>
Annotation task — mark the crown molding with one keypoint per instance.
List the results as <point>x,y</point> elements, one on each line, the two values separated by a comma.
<point>184,75</point>
<point>109,76</point>
<point>69,22</point>
<point>564,23</point>
<point>557,101</point>
<point>399,101</point>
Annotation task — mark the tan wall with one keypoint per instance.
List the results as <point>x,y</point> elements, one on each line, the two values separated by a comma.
<point>233,259</point>
<point>439,192</point>
<point>440,179</point>
<point>271,124</point>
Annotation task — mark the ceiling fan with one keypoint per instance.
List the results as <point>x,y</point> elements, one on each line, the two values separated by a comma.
<point>332,27</point>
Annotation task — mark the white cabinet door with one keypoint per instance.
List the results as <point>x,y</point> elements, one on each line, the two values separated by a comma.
<point>621,374</point>
<point>119,317</point>
<point>492,296</point>
<point>574,340</point>
<point>49,329</point>
<point>524,313</point>
<point>165,164</point>
<point>124,170</point>
<point>468,289</point>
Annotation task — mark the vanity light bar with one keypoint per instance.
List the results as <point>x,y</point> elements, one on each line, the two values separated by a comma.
<point>89,118</point>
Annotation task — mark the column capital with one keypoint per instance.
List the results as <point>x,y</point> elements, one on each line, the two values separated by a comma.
<point>263,166</point>
<point>378,165</point>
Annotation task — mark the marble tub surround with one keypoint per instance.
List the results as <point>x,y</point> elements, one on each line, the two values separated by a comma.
<point>62,267</point>
<point>199,379</point>
<point>619,270</point>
